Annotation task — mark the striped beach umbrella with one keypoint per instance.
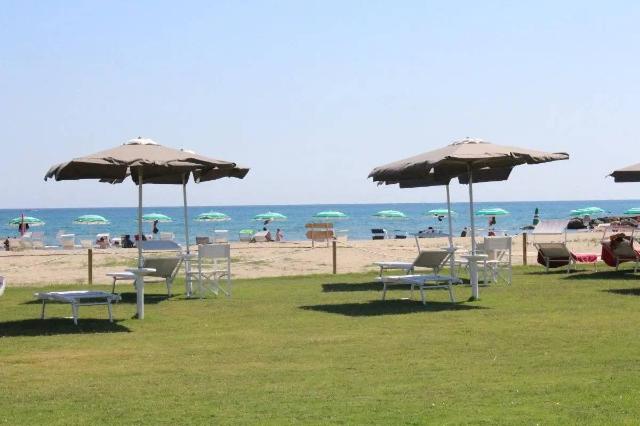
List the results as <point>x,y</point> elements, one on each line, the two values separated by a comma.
<point>586,211</point>
<point>330,214</point>
<point>439,212</point>
<point>152,217</point>
<point>492,212</point>
<point>91,219</point>
<point>634,211</point>
<point>212,217</point>
<point>32,221</point>
<point>390,214</point>
<point>270,216</point>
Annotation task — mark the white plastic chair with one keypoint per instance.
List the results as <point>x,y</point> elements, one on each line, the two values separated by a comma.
<point>220,236</point>
<point>499,261</point>
<point>214,265</point>
<point>167,236</point>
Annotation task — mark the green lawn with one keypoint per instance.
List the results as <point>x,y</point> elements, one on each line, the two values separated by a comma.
<point>550,349</point>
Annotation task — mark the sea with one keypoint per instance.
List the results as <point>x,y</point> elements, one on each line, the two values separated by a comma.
<point>357,226</point>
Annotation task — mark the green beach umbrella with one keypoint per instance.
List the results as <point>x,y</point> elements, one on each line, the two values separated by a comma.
<point>439,212</point>
<point>330,214</point>
<point>536,217</point>
<point>152,217</point>
<point>492,212</point>
<point>212,217</point>
<point>390,214</point>
<point>271,216</point>
<point>32,221</point>
<point>587,211</point>
<point>635,211</point>
<point>91,219</point>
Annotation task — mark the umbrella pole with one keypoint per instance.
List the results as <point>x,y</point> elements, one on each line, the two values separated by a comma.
<point>187,264</point>
<point>452,261</point>
<point>139,276</point>
<point>473,266</point>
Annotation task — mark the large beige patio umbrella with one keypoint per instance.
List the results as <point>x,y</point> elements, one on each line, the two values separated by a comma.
<point>146,162</point>
<point>627,174</point>
<point>463,159</point>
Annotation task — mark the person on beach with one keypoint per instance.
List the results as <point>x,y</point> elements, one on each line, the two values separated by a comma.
<point>279,235</point>
<point>464,232</point>
<point>155,227</point>
<point>268,236</point>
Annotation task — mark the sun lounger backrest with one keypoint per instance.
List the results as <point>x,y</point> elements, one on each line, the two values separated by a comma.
<point>550,227</point>
<point>158,245</point>
<point>431,259</point>
<point>164,266</point>
<point>260,236</point>
<point>553,250</point>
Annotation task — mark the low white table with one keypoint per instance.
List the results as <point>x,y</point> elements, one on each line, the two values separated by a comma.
<point>139,274</point>
<point>77,299</point>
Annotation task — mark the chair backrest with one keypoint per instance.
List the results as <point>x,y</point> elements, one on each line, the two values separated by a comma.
<point>202,240</point>
<point>86,244</point>
<point>497,243</point>
<point>68,241</point>
<point>214,251</point>
<point>378,234</point>
<point>167,236</point>
<point>38,235</point>
<point>434,259</point>
<point>165,266</point>
<point>624,249</point>
<point>160,245</point>
<point>550,227</point>
<point>260,236</point>
<point>553,250</point>
<point>15,244</point>
<point>220,235</point>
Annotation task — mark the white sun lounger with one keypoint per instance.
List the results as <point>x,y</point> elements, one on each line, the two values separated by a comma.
<point>432,259</point>
<point>77,299</point>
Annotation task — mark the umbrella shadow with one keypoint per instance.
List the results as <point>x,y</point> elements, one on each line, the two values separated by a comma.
<point>388,307</point>
<point>57,326</point>
<point>149,299</point>
<point>605,275</point>
<point>624,291</point>
<point>339,287</point>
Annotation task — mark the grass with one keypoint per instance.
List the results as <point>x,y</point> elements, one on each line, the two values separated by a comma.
<point>550,349</point>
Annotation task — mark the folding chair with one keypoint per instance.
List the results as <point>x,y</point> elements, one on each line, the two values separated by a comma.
<point>214,266</point>
<point>499,261</point>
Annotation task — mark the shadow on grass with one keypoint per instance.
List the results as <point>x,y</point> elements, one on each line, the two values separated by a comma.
<point>624,291</point>
<point>370,286</point>
<point>626,274</point>
<point>56,326</point>
<point>388,307</point>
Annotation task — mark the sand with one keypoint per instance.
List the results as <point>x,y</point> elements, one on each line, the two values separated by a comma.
<point>46,267</point>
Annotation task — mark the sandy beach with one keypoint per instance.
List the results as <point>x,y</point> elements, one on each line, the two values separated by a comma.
<point>44,267</point>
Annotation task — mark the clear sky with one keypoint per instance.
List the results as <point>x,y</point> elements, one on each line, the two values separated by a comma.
<point>313,94</point>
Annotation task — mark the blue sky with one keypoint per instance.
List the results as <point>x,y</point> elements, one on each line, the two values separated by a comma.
<point>313,95</point>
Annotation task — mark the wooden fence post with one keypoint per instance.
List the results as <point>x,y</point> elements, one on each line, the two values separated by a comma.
<point>524,248</point>
<point>90,264</point>
<point>335,258</point>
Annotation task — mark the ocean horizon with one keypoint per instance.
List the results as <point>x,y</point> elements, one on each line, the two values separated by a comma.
<point>358,225</point>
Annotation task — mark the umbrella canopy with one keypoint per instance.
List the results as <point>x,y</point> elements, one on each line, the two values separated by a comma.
<point>469,160</point>
<point>627,174</point>
<point>439,212</point>
<point>212,217</point>
<point>152,217</point>
<point>32,221</point>
<point>330,214</point>
<point>586,211</point>
<point>146,162</point>
<point>91,219</point>
<point>271,216</point>
<point>634,211</point>
<point>536,217</point>
<point>390,214</point>
<point>492,212</point>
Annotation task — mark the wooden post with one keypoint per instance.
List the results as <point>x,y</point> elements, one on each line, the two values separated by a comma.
<point>335,257</point>
<point>524,248</point>
<point>90,265</point>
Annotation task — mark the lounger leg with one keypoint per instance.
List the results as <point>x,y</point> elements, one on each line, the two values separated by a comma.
<point>74,312</point>
<point>110,312</point>
<point>451,296</point>
<point>44,302</point>
<point>113,287</point>
<point>424,302</point>
<point>169,281</point>
<point>384,290</point>
<point>411,292</point>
